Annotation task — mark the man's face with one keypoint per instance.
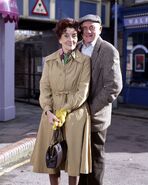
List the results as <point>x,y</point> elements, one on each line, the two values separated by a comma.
<point>90,31</point>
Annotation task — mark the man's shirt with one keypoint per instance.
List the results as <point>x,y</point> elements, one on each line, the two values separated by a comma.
<point>88,49</point>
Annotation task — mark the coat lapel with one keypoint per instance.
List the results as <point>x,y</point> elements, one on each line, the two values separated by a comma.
<point>95,52</point>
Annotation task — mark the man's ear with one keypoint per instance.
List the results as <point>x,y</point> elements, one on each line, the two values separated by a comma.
<point>80,33</point>
<point>80,30</point>
<point>100,29</point>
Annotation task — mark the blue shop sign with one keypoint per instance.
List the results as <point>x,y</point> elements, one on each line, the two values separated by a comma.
<point>136,21</point>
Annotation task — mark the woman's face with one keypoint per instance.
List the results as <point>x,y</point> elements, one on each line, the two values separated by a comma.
<point>69,40</point>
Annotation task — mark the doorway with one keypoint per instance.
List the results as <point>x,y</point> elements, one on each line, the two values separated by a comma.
<point>30,49</point>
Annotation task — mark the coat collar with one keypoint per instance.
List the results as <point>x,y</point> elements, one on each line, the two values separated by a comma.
<point>56,56</point>
<point>96,47</point>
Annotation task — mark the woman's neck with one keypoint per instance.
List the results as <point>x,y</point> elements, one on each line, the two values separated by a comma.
<point>66,52</point>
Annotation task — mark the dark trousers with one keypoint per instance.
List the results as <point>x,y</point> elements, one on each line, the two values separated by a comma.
<point>98,160</point>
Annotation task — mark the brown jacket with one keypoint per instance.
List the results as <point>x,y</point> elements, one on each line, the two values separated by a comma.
<point>106,83</point>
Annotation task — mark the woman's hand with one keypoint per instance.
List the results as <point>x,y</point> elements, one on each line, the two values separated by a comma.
<point>61,115</point>
<point>52,118</point>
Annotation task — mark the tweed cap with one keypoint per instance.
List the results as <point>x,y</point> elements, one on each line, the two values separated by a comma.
<point>90,17</point>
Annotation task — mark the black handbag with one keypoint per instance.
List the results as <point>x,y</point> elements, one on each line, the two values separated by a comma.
<point>56,152</point>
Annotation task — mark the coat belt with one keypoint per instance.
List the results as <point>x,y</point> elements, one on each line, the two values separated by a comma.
<point>63,92</point>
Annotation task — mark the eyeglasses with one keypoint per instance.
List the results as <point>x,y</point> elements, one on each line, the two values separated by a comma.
<point>90,28</point>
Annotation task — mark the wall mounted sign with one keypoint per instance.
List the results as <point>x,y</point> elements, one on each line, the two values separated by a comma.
<point>141,1</point>
<point>39,8</point>
<point>136,21</point>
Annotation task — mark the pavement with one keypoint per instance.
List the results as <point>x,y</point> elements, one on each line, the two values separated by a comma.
<point>17,136</point>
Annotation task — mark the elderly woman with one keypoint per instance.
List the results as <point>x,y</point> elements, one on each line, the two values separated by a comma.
<point>64,85</point>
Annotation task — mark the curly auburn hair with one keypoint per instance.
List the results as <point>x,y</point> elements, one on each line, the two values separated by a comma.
<point>65,23</point>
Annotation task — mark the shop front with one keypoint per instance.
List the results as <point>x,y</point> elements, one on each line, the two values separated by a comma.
<point>135,69</point>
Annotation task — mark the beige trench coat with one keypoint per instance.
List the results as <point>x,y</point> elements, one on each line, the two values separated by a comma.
<point>65,86</point>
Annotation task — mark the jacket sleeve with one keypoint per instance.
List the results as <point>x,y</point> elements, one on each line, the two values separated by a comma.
<point>82,89</point>
<point>45,98</point>
<point>112,82</point>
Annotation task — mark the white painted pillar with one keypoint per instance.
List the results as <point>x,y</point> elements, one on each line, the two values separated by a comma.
<point>7,41</point>
<point>52,10</point>
<point>99,7</point>
<point>76,9</point>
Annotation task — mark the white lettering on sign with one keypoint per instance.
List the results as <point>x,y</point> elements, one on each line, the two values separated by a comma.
<point>141,1</point>
<point>136,21</point>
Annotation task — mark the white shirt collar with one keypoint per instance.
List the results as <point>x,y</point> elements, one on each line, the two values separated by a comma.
<point>88,49</point>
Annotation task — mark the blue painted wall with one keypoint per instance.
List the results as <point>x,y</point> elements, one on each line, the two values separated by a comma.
<point>103,11</point>
<point>20,6</point>
<point>87,8</point>
<point>64,9</point>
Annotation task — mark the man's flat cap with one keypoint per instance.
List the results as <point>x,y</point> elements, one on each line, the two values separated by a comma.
<point>90,17</point>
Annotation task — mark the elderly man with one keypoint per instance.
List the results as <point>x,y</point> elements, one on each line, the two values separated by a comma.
<point>106,84</point>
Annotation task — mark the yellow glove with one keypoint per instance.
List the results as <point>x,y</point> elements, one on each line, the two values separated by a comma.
<point>61,115</point>
<point>55,125</point>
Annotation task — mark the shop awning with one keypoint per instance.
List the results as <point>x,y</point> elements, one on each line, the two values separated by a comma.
<point>9,10</point>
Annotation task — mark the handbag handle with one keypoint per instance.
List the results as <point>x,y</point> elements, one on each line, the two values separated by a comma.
<point>57,136</point>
